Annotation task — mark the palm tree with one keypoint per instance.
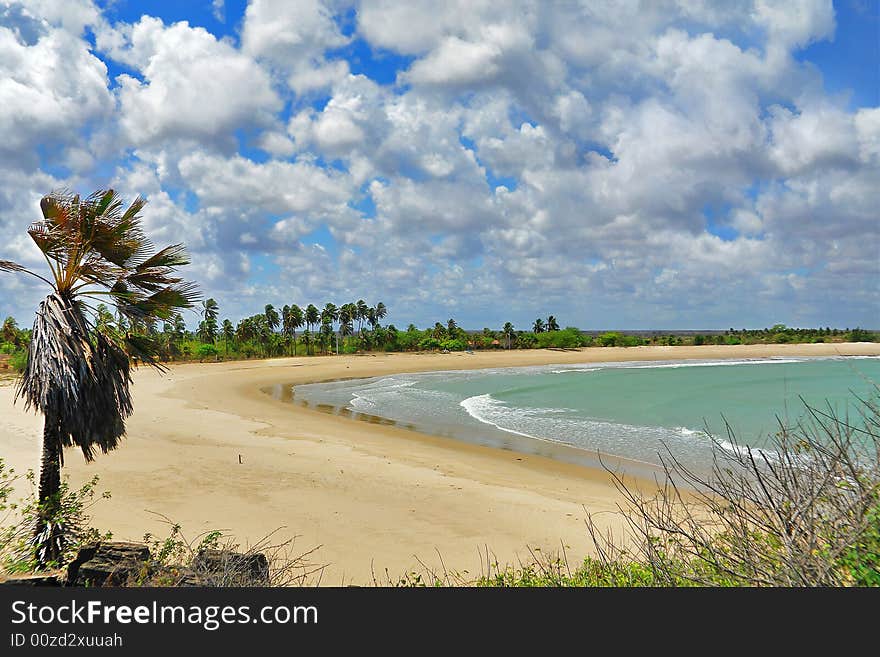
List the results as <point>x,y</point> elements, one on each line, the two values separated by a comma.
<point>307,338</point>
<point>552,324</point>
<point>508,332</point>
<point>208,329</point>
<point>285,324</point>
<point>272,319</point>
<point>312,316</point>
<point>10,330</point>
<point>326,334</point>
<point>362,311</point>
<point>296,321</point>
<point>179,328</point>
<point>77,376</point>
<point>228,333</point>
<point>538,326</point>
<point>329,315</point>
<point>391,334</point>
<point>346,314</point>
<point>243,330</point>
<point>262,332</point>
<point>451,328</point>
<point>210,309</point>
<point>381,310</point>
<point>104,319</point>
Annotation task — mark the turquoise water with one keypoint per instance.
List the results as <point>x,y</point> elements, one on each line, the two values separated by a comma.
<point>634,411</point>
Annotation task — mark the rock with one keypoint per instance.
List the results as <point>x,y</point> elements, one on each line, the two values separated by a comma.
<point>225,568</point>
<point>107,564</point>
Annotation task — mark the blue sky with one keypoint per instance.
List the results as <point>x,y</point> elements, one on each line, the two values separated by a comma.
<point>696,165</point>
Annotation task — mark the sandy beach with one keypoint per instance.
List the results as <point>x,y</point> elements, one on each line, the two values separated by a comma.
<point>373,497</point>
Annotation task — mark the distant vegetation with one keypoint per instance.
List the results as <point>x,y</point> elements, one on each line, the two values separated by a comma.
<point>357,327</point>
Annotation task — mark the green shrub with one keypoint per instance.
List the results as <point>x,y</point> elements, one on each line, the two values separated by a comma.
<point>429,344</point>
<point>556,572</point>
<point>862,560</point>
<point>453,345</point>
<point>860,335</point>
<point>69,511</point>
<point>207,351</point>
<point>567,338</point>
<point>19,360</point>
<point>610,339</point>
<point>7,348</point>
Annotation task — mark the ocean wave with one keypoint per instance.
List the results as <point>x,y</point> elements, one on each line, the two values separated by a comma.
<point>360,403</point>
<point>769,456</point>
<point>714,363</point>
<point>576,369</point>
<point>482,407</point>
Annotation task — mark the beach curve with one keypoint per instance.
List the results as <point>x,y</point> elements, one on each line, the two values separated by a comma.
<point>373,497</point>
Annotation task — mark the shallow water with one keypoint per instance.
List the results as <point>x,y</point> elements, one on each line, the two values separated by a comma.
<point>634,411</point>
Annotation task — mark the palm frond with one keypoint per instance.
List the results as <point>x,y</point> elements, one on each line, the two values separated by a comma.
<point>77,378</point>
<point>161,304</point>
<point>105,203</point>
<point>171,256</point>
<point>143,347</point>
<point>131,216</point>
<point>50,240</point>
<point>151,281</point>
<point>117,236</point>
<point>8,265</point>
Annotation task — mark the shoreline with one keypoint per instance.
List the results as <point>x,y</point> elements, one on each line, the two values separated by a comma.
<point>512,440</point>
<point>374,497</point>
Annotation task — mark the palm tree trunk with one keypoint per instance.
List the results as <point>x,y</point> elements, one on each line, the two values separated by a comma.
<point>48,540</point>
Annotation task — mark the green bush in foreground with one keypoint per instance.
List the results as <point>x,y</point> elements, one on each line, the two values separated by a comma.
<point>66,513</point>
<point>556,572</point>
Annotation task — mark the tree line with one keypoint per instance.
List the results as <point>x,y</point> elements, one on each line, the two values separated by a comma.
<point>357,326</point>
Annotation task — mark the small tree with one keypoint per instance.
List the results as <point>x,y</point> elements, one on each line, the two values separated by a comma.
<point>508,333</point>
<point>208,328</point>
<point>78,374</point>
<point>228,334</point>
